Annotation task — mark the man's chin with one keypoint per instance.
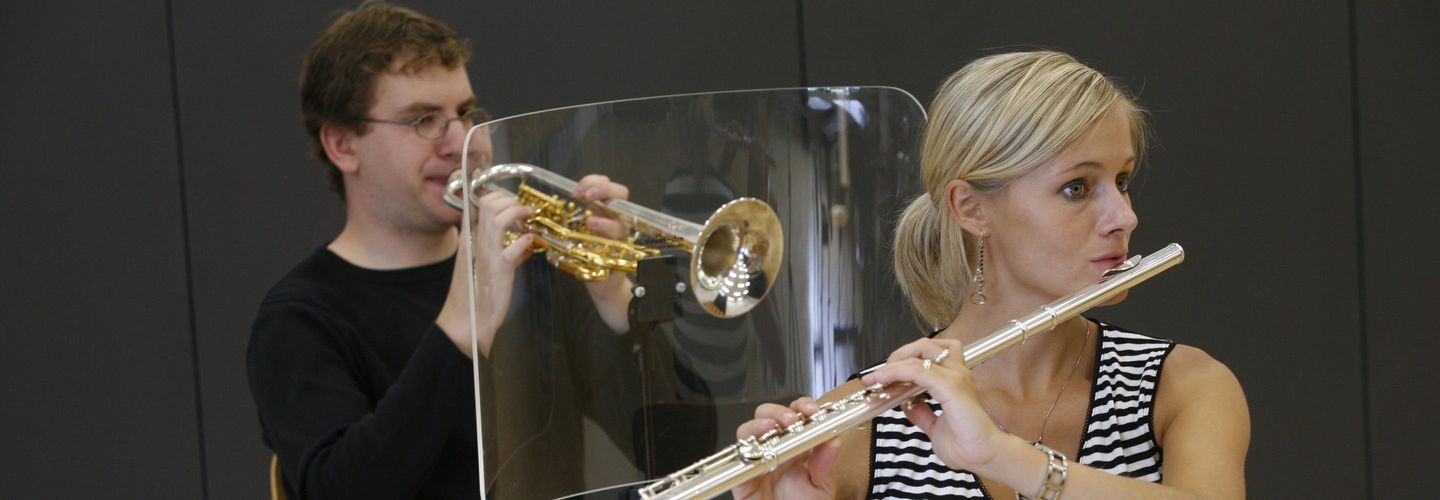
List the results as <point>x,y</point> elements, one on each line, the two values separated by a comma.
<point>446,217</point>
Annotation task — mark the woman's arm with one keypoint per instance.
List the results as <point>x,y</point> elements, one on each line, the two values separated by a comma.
<point>1203,425</point>
<point>1206,430</point>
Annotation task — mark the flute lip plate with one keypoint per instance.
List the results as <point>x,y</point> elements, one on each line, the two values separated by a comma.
<point>1124,266</point>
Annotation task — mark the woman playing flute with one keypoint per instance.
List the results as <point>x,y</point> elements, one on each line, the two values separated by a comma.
<point>1027,162</point>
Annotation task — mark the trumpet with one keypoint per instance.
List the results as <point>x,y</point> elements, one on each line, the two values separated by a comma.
<point>756,455</point>
<point>735,255</point>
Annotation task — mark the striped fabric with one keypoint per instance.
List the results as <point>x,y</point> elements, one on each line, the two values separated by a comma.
<point>1119,436</point>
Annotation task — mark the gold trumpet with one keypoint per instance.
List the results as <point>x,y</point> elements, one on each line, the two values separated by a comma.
<point>734,256</point>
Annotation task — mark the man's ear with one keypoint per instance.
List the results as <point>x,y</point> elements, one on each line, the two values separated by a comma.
<point>339,144</point>
<point>966,207</point>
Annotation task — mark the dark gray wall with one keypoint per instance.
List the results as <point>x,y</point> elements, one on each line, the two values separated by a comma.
<point>1291,163</point>
<point>95,332</point>
<point>1396,77</point>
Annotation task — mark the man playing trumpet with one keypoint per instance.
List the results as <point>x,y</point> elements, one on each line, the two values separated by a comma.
<point>360,357</point>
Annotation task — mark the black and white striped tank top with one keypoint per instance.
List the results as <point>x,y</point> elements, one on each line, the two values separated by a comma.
<point>1119,436</point>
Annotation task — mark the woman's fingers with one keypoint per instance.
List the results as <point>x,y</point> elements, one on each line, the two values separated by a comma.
<point>767,416</point>
<point>921,415</point>
<point>821,459</point>
<point>942,381</point>
<point>805,405</point>
<point>926,348</point>
<point>755,428</point>
<point>770,416</point>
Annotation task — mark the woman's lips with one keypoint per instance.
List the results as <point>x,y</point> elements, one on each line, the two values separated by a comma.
<point>1110,261</point>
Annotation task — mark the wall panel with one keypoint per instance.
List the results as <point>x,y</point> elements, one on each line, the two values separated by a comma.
<point>95,335</point>
<point>1398,106</point>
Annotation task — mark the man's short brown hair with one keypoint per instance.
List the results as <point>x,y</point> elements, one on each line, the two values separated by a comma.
<point>337,82</point>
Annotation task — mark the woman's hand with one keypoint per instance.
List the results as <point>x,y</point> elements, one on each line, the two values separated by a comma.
<point>806,476</point>
<point>963,436</point>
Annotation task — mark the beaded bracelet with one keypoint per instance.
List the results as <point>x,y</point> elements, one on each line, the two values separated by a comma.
<point>1057,469</point>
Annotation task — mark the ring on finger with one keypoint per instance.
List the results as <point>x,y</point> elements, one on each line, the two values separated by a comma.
<point>943,355</point>
<point>926,364</point>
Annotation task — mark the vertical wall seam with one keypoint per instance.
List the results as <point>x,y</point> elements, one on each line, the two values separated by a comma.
<point>800,41</point>
<point>185,243</point>
<point>1367,439</point>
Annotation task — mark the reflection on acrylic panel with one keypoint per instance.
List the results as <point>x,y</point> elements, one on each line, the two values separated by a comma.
<point>570,405</point>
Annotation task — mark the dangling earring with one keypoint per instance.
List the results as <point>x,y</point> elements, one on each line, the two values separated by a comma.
<point>978,298</point>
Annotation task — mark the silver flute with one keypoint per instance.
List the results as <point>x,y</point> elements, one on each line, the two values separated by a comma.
<point>757,455</point>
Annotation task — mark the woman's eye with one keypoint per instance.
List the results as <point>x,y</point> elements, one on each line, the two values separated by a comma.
<point>1122,183</point>
<point>1074,190</point>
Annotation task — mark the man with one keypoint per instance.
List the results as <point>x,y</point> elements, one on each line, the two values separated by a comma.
<point>360,357</point>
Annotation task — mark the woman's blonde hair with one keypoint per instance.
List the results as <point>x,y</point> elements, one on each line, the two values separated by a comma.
<point>991,122</point>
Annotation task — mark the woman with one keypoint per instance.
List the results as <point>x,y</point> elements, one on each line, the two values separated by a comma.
<point>1026,164</point>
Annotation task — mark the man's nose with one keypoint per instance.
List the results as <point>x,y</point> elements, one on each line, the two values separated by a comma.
<point>452,142</point>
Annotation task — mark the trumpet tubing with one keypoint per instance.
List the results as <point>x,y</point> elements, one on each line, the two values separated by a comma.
<point>754,456</point>
<point>560,229</point>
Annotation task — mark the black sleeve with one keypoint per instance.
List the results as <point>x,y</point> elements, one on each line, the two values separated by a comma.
<point>332,441</point>
<point>613,381</point>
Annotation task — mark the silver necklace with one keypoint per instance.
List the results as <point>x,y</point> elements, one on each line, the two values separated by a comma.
<point>1046,421</point>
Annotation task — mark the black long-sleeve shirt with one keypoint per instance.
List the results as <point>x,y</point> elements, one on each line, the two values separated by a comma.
<point>362,396</point>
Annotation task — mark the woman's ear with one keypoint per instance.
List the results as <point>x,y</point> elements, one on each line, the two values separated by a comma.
<point>966,207</point>
<point>339,144</point>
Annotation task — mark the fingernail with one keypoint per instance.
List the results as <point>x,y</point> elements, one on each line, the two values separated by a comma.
<point>593,193</point>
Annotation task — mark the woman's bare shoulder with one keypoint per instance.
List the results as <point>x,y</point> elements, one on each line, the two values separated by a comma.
<point>1192,368</point>
<point>1193,377</point>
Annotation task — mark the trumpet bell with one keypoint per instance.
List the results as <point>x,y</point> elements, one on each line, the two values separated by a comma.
<point>738,256</point>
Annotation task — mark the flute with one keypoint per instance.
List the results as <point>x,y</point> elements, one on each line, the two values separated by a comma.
<point>756,455</point>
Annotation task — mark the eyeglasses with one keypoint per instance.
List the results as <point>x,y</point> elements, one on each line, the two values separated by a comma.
<point>434,125</point>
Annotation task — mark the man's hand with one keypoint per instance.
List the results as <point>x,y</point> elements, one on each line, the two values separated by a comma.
<point>611,296</point>
<point>495,265</point>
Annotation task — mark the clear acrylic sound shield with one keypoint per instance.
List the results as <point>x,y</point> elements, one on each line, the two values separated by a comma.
<point>572,404</point>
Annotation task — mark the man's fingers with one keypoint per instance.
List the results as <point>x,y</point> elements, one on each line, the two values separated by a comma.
<point>511,217</point>
<point>599,187</point>
<point>518,250</point>
<point>606,227</point>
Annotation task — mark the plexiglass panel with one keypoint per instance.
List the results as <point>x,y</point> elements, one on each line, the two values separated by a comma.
<point>568,405</point>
